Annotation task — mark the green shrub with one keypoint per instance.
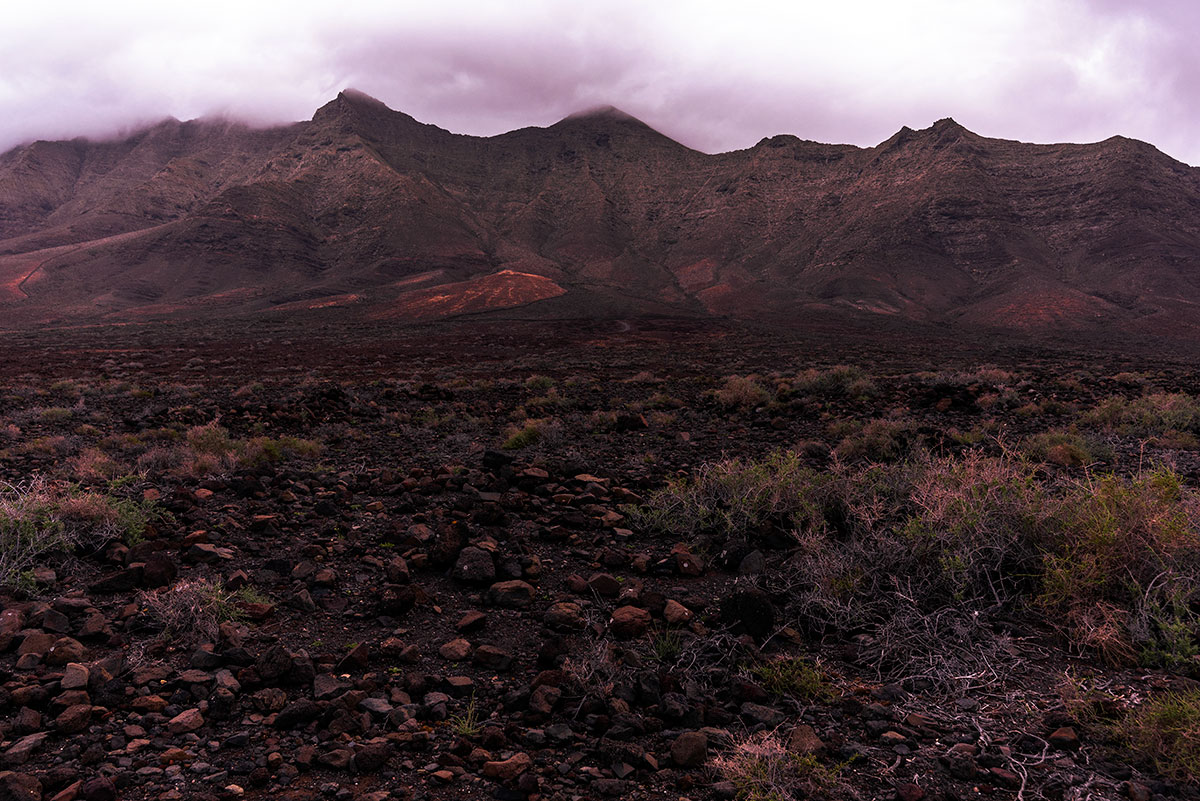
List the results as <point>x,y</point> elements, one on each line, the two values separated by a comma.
<point>879,441</point>
<point>736,498</point>
<point>1165,732</point>
<point>793,677</point>
<point>39,518</point>
<point>1155,415</point>
<point>1065,447</point>
<point>532,433</point>
<point>539,383</point>
<point>842,381</point>
<point>741,392</point>
<point>1127,557</point>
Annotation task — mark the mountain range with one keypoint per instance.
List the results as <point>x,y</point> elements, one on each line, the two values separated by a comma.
<point>367,211</point>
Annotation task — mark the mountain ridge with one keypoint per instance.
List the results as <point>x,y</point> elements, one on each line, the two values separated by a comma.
<point>362,206</point>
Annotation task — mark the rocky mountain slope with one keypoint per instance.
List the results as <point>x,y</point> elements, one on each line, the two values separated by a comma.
<point>368,210</point>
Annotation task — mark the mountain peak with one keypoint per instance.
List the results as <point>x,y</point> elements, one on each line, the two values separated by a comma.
<point>349,101</point>
<point>947,124</point>
<point>603,112</point>
<point>351,95</point>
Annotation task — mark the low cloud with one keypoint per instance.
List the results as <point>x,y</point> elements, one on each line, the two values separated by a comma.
<point>713,75</point>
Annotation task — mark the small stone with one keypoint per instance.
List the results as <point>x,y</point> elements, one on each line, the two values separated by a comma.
<point>19,752</point>
<point>100,788</point>
<point>543,699</point>
<point>19,787</point>
<point>474,566</point>
<point>1136,791</point>
<point>907,791</point>
<point>1005,778</point>
<point>186,721</point>
<point>456,650</point>
<point>686,562</point>
<point>629,622</point>
<point>514,594</point>
<point>74,719</point>
<point>472,620</point>
<point>64,650</point>
<point>676,613</point>
<point>376,706</point>
<point>604,584</point>
<point>75,677</point>
<point>804,741</point>
<point>566,616</point>
<point>491,657</point>
<point>690,749</point>
<point>1064,738</point>
<point>326,686</point>
<point>760,713</point>
<point>509,769</point>
<point>752,563</point>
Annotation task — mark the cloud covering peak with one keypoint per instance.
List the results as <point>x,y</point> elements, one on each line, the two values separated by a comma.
<point>714,75</point>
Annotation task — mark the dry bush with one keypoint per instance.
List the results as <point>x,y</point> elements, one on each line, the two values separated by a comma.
<point>842,381</point>
<point>190,610</point>
<point>1066,448</point>
<point>39,518</point>
<point>879,441</point>
<point>742,393</point>
<point>56,445</point>
<point>1132,544</point>
<point>736,499</point>
<point>593,670</point>
<point>1157,415</point>
<point>920,555</point>
<point>92,464</point>
<point>545,431</point>
<point>762,768</point>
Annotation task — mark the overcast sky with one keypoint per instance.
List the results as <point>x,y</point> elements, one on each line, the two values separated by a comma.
<point>714,75</point>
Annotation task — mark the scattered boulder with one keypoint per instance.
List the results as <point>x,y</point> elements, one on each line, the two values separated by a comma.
<point>629,622</point>
<point>690,749</point>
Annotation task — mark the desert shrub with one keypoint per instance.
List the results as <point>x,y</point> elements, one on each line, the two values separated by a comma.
<point>741,392</point>
<point>55,414</point>
<point>533,432</point>
<point>661,400</point>
<point>735,499</point>
<point>976,524</point>
<point>93,464</point>
<point>56,445</point>
<point>842,381</point>
<point>1165,732</point>
<point>793,677</point>
<point>66,388</point>
<point>763,768</point>
<point>878,441</point>
<point>1155,415</point>
<point>1066,448</point>
<point>39,518</point>
<point>190,609</point>
<point>946,543</point>
<point>549,402</point>
<point>258,451</point>
<point>1127,558</point>
<point>210,438</point>
<point>159,459</point>
<point>539,383</point>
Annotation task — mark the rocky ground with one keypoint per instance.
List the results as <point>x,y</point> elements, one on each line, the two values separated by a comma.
<point>323,575</point>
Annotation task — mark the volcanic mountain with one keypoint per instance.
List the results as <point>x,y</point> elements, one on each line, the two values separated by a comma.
<point>599,215</point>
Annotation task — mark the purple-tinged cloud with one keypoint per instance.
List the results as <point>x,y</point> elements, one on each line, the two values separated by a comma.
<point>716,76</point>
